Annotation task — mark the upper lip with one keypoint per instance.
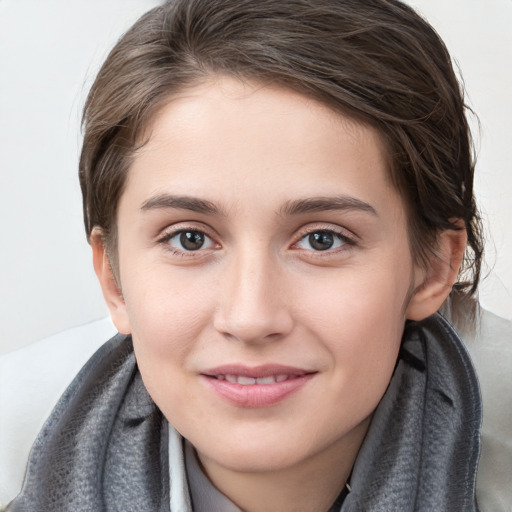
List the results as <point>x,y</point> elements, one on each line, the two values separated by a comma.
<point>266,370</point>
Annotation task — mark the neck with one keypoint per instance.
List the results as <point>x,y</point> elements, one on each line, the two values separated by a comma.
<point>311,485</point>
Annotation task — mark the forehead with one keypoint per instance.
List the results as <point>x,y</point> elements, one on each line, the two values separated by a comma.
<point>250,138</point>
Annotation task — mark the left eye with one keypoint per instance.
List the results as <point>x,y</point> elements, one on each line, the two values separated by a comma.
<point>321,241</point>
<point>190,240</point>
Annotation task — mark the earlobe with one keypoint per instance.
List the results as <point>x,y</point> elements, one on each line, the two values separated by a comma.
<point>111,291</point>
<point>434,283</point>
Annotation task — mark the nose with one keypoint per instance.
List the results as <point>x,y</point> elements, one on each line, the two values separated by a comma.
<point>253,306</point>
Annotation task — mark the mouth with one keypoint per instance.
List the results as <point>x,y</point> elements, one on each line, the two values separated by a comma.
<point>256,375</point>
<point>257,386</point>
<point>250,381</point>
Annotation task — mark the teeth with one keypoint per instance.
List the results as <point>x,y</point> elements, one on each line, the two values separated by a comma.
<point>248,381</point>
<point>266,380</point>
<point>245,381</point>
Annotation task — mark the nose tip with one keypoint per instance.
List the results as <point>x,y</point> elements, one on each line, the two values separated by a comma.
<point>260,327</point>
<point>253,309</point>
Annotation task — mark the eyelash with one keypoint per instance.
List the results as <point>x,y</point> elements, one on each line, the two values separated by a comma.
<point>168,236</point>
<point>342,237</point>
<point>338,235</point>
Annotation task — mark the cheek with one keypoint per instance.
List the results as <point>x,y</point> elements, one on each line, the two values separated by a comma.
<point>165,307</point>
<point>167,316</point>
<point>164,330</point>
<point>360,318</point>
<point>352,302</point>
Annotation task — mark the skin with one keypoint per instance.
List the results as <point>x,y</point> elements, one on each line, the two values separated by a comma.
<point>258,292</point>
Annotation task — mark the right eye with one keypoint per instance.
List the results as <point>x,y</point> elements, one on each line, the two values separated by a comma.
<point>188,240</point>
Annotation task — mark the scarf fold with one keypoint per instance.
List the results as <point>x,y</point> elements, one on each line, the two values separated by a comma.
<point>422,448</point>
<point>105,446</point>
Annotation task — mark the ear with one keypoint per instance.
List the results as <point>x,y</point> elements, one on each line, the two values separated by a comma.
<point>434,283</point>
<point>109,286</point>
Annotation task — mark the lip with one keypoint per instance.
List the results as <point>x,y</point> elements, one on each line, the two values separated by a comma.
<point>256,395</point>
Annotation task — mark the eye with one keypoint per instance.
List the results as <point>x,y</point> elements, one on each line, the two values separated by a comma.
<point>322,240</point>
<point>188,240</point>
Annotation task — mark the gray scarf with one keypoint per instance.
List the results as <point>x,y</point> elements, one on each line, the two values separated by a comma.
<point>105,446</point>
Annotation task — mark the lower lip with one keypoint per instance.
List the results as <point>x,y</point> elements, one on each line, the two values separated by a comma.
<point>256,395</point>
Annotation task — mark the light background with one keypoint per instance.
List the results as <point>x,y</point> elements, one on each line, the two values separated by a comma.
<point>49,53</point>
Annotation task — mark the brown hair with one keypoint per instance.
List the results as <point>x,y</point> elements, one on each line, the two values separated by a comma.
<point>377,61</point>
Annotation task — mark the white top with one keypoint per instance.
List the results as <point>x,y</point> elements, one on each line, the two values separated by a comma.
<point>33,378</point>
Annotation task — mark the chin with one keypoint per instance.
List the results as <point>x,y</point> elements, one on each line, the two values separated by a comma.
<point>267,451</point>
<point>262,459</point>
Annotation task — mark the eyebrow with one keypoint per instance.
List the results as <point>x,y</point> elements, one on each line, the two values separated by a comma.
<point>181,203</point>
<point>322,204</point>
<point>296,207</point>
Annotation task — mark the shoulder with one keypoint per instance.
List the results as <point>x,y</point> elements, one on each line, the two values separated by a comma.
<point>490,347</point>
<point>32,379</point>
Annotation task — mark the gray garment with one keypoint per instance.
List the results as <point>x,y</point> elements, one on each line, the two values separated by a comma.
<point>105,446</point>
<point>205,497</point>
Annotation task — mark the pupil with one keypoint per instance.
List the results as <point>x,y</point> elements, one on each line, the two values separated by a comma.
<point>321,241</point>
<point>192,240</point>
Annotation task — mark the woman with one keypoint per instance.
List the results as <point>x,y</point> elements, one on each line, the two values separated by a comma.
<point>279,197</point>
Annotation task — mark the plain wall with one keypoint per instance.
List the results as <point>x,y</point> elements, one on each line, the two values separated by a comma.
<point>49,53</point>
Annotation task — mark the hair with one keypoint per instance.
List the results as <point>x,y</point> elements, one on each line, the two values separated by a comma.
<point>376,61</point>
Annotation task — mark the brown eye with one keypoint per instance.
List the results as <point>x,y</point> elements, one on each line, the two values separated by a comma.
<point>322,240</point>
<point>192,240</point>
<point>189,240</point>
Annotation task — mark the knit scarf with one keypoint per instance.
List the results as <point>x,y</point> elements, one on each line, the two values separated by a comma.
<point>105,447</point>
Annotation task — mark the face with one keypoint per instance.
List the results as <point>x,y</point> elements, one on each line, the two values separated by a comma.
<point>265,273</point>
